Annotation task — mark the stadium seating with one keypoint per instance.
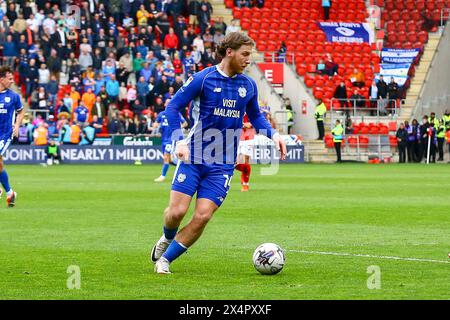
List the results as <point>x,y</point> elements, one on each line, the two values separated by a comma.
<point>407,24</point>
<point>370,128</point>
<point>295,23</point>
<point>411,31</point>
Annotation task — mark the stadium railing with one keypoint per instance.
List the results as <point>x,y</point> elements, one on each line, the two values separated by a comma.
<point>380,146</point>
<point>388,105</point>
<point>281,120</point>
<point>36,111</point>
<point>361,146</point>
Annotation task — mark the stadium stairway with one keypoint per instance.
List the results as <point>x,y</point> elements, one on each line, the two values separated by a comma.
<point>318,152</point>
<point>403,24</point>
<point>315,151</point>
<point>419,78</point>
<point>220,10</point>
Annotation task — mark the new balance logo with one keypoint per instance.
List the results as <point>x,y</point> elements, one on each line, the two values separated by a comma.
<point>217,89</point>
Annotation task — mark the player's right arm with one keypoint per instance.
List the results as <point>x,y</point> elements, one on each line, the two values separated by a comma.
<point>188,92</point>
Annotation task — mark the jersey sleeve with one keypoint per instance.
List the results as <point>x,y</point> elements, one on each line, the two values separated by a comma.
<point>189,91</point>
<point>158,118</point>
<point>255,116</point>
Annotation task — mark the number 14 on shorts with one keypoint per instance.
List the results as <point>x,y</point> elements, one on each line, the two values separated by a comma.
<point>227,183</point>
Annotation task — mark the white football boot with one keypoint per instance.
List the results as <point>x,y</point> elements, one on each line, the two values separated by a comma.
<point>160,179</point>
<point>159,248</point>
<point>11,199</point>
<point>162,266</point>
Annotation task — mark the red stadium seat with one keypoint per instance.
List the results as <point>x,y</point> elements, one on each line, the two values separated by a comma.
<point>384,130</point>
<point>363,142</point>
<point>311,68</point>
<point>309,82</point>
<point>420,5</point>
<point>352,141</point>
<point>301,70</point>
<point>374,130</point>
<point>364,129</point>
<point>423,36</point>
<point>392,126</point>
<point>393,141</point>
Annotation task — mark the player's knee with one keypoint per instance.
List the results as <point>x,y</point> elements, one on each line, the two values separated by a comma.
<point>166,159</point>
<point>202,217</point>
<point>176,212</point>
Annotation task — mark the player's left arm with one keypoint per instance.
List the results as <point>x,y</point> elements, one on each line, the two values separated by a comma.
<point>20,113</point>
<point>262,125</point>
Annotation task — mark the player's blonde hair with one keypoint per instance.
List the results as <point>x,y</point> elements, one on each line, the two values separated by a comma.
<point>233,40</point>
<point>4,70</point>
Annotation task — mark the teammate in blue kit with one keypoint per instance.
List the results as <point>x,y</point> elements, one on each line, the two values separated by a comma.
<point>220,96</point>
<point>167,143</point>
<point>11,115</point>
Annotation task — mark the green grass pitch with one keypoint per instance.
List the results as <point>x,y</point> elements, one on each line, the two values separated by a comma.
<point>105,219</point>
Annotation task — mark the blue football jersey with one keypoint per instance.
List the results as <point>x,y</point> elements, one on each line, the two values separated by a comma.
<point>219,103</point>
<point>82,113</point>
<point>10,104</point>
<point>164,129</point>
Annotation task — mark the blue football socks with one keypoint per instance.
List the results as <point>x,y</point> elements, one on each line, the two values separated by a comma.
<point>170,233</point>
<point>165,168</point>
<point>174,250</point>
<point>4,181</point>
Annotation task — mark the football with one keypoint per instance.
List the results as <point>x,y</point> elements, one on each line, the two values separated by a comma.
<point>269,258</point>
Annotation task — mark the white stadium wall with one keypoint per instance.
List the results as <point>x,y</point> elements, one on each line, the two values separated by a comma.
<point>435,94</point>
<point>302,103</point>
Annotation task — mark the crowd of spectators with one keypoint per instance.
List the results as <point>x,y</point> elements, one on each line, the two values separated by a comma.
<point>116,67</point>
<point>417,140</point>
<point>249,3</point>
<point>383,97</point>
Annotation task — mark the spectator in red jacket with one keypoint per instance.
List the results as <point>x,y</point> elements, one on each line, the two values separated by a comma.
<point>331,68</point>
<point>171,42</point>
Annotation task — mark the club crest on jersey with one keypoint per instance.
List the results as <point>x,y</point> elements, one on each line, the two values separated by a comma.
<point>7,99</point>
<point>242,92</point>
<point>181,177</point>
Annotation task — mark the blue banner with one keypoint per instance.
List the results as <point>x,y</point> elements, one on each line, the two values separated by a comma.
<point>399,56</point>
<point>347,32</point>
<point>398,71</point>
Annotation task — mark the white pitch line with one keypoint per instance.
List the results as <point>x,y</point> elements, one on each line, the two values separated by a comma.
<point>368,256</point>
